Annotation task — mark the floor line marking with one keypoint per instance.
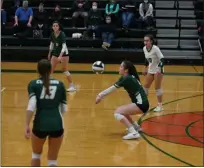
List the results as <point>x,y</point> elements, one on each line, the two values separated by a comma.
<point>3,89</point>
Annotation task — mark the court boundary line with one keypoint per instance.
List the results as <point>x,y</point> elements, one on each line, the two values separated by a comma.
<point>150,91</point>
<point>188,132</point>
<point>156,147</point>
<point>105,72</point>
<point>3,89</point>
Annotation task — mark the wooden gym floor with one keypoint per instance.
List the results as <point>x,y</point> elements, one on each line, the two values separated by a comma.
<point>93,137</point>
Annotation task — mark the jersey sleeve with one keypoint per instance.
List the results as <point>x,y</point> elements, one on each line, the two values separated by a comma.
<point>120,82</point>
<point>31,90</point>
<point>158,52</point>
<point>63,37</point>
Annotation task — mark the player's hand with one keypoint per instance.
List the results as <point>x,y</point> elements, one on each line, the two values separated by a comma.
<point>29,25</point>
<point>98,99</point>
<point>144,72</point>
<point>27,132</point>
<point>15,24</point>
<point>158,73</point>
<point>60,58</point>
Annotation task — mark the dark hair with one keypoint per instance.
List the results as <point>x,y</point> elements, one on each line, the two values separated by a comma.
<point>57,22</point>
<point>44,69</point>
<point>131,69</point>
<point>151,37</point>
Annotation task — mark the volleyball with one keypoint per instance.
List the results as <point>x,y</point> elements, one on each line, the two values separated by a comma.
<point>98,67</point>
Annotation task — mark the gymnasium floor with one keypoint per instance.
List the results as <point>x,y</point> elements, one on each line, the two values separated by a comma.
<point>93,137</point>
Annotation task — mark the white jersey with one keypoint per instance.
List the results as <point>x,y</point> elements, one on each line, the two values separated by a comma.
<point>153,57</point>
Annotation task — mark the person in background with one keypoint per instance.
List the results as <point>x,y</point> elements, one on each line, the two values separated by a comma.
<point>108,33</point>
<point>128,8</point>
<point>23,20</point>
<point>41,19</point>
<point>3,15</point>
<point>80,8</point>
<point>146,14</point>
<point>57,14</point>
<point>112,9</point>
<point>94,20</point>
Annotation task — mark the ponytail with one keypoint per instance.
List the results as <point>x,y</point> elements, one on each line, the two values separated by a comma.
<point>46,83</point>
<point>131,69</point>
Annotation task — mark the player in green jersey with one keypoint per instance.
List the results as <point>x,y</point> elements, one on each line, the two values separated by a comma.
<point>130,81</point>
<point>58,53</point>
<point>47,96</point>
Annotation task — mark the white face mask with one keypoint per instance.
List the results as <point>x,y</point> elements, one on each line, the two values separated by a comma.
<point>145,1</point>
<point>94,7</point>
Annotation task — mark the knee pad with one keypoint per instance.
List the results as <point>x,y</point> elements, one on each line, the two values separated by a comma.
<point>159,92</point>
<point>36,156</point>
<point>52,162</point>
<point>146,90</point>
<point>118,116</point>
<point>67,73</point>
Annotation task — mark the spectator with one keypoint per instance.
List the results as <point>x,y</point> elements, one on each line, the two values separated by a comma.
<point>112,9</point>
<point>94,20</point>
<point>128,8</point>
<point>146,14</point>
<point>108,33</point>
<point>41,19</point>
<point>23,20</point>
<point>57,14</point>
<point>80,8</point>
<point>3,15</point>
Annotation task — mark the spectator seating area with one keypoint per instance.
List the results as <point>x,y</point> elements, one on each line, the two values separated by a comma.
<point>127,44</point>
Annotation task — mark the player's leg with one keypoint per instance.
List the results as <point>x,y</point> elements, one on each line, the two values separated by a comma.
<point>65,61</point>
<point>54,144</point>
<point>148,81</point>
<point>158,81</point>
<point>38,139</point>
<point>134,123</point>
<point>54,62</point>
<point>127,110</point>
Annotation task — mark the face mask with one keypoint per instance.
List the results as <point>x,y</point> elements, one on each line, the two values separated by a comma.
<point>40,8</point>
<point>145,1</point>
<point>108,21</point>
<point>94,7</point>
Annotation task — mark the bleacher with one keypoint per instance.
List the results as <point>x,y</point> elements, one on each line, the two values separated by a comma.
<point>176,32</point>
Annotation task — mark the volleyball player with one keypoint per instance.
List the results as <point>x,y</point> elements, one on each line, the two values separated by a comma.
<point>130,81</point>
<point>48,96</point>
<point>154,69</point>
<point>58,52</point>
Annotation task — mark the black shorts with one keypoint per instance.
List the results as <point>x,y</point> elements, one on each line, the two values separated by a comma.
<point>51,134</point>
<point>143,107</point>
<point>64,55</point>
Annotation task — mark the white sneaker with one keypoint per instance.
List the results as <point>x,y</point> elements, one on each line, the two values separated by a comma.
<point>137,128</point>
<point>158,109</point>
<point>71,89</point>
<point>131,135</point>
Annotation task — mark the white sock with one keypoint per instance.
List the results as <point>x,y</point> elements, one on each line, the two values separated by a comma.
<point>136,124</point>
<point>131,129</point>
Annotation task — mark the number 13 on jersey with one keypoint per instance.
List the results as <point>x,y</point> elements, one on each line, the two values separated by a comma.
<point>52,89</point>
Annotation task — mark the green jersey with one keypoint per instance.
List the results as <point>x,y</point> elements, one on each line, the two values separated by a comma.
<point>58,41</point>
<point>134,89</point>
<point>48,115</point>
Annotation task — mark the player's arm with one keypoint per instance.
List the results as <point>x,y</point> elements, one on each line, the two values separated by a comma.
<point>51,47</point>
<point>64,45</point>
<point>31,104</point>
<point>109,90</point>
<point>161,57</point>
<point>63,99</point>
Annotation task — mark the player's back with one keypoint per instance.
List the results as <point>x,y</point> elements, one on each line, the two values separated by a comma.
<point>48,114</point>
